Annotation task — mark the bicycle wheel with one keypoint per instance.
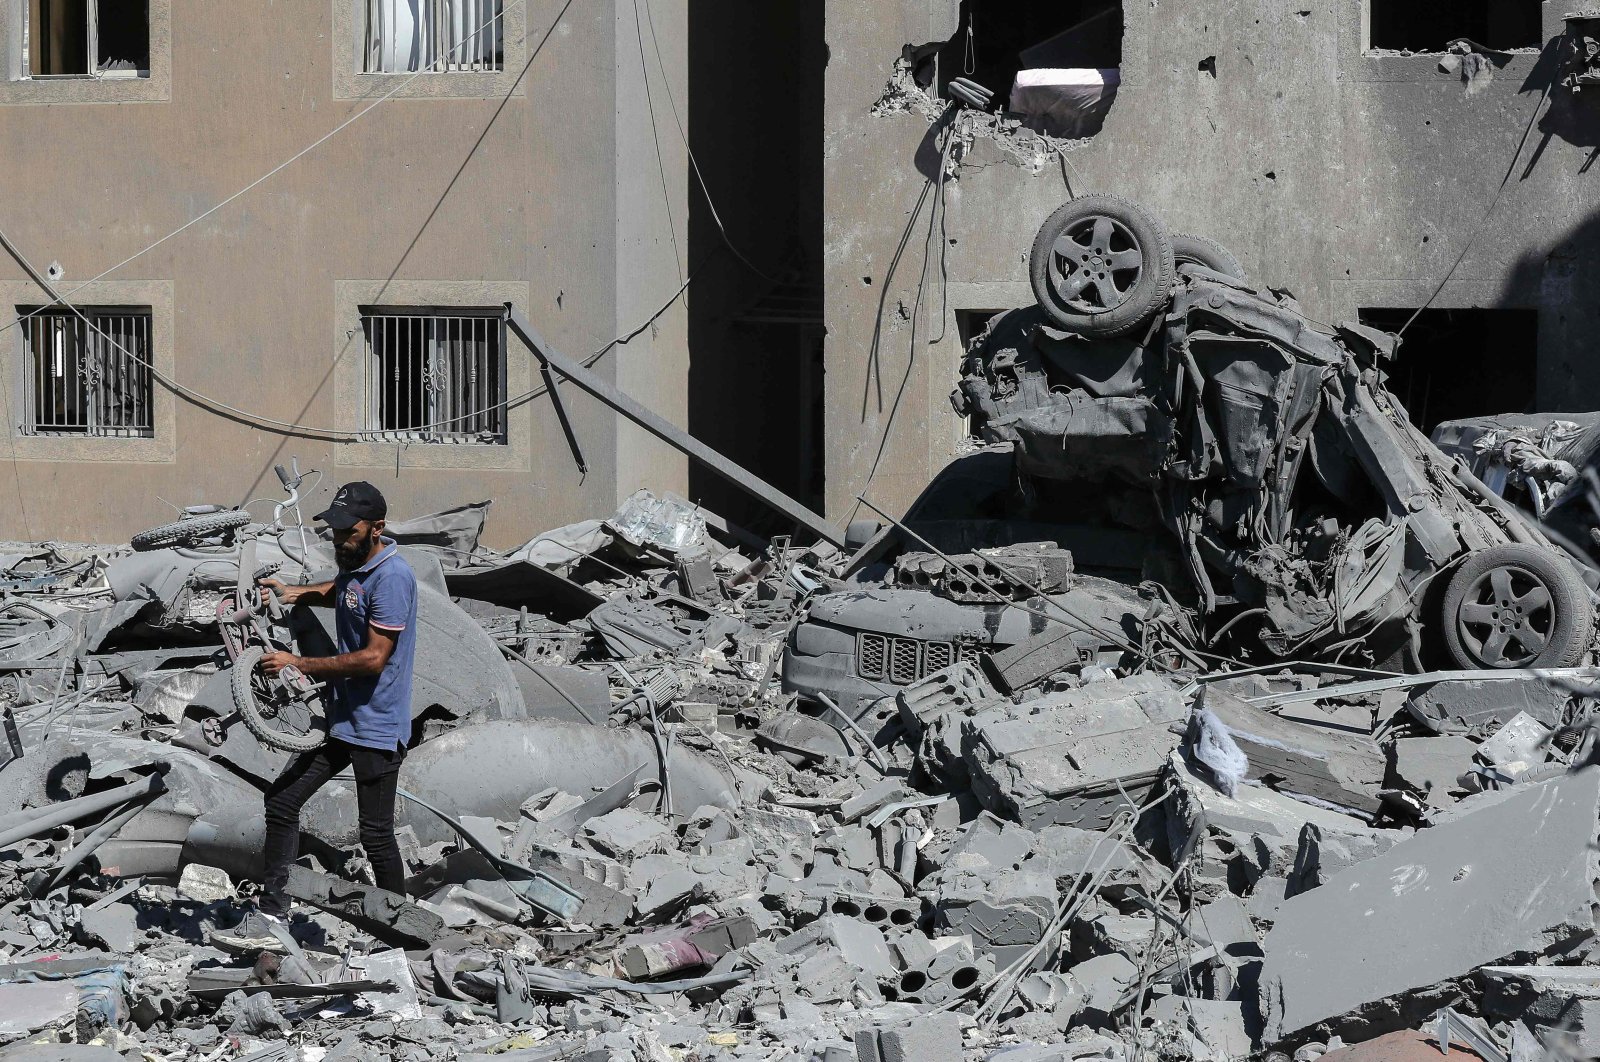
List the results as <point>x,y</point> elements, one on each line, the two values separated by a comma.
<point>276,719</point>
<point>195,528</point>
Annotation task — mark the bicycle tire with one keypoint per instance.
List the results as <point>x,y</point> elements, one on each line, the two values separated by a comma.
<point>183,532</point>
<point>244,700</point>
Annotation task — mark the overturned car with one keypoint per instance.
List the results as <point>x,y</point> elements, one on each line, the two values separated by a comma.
<point>1276,495</point>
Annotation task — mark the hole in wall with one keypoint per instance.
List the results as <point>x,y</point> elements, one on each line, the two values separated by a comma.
<point>1053,66</point>
<point>1430,25</point>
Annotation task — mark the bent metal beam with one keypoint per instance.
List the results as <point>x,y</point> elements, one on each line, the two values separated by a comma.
<point>681,440</point>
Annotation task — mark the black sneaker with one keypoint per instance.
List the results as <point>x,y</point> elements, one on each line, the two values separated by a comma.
<point>253,933</point>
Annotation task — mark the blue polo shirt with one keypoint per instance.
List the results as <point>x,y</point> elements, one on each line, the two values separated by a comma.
<point>376,711</point>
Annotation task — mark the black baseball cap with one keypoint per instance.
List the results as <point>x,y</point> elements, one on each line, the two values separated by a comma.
<point>353,503</point>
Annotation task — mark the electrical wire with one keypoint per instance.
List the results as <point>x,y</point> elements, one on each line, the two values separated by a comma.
<point>1472,238</point>
<point>694,163</point>
<point>655,136</point>
<point>274,424</point>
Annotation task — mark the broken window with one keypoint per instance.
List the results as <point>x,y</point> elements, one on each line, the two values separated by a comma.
<point>1430,25</point>
<point>86,38</point>
<point>89,374</point>
<point>1055,65</point>
<point>1454,364</point>
<point>435,375</point>
<point>441,35</point>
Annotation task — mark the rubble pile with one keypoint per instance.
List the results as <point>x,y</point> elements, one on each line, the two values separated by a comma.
<point>1129,742</point>
<point>627,839</point>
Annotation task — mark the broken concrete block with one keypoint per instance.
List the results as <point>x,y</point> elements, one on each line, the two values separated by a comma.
<point>783,841</point>
<point>1258,835</point>
<point>956,690</point>
<point>30,1006</point>
<point>1562,1002</point>
<point>929,1038</point>
<point>1429,766</point>
<point>387,916</point>
<point>1508,876</point>
<point>626,834</point>
<point>1104,934</point>
<point>114,927</point>
<point>1344,770</point>
<point>935,970</point>
<point>1226,923</point>
<point>1057,994</point>
<point>1463,704</point>
<point>204,884</point>
<point>1219,1024</point>
<point>1518,745</point>
<point>1077,757</point>
<point>1105,979</point>
<point>862,945</point>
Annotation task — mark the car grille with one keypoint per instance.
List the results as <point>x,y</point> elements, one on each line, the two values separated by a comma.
<point>902,661</point>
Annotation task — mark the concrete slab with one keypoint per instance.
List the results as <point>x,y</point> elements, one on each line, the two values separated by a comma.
<point>1508,877</point>
<point>1429,766</point>
<point>35,1005</point>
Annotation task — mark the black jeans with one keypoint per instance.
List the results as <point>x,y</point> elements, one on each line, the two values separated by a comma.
<point>377,775</point>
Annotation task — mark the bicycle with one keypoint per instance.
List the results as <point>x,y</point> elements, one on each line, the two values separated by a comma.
<point>201,522</point>
<point>286,711</point>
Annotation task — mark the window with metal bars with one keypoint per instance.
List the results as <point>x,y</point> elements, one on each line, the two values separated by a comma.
<point>403,36</point>
<point>435,374</point>
<point>87,377</point>
<point>86,38</point>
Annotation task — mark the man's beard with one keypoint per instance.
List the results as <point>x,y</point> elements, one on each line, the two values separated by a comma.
<point>350,555</point>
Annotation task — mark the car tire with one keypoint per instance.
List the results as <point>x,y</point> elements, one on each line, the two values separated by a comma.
<point>1516,606</point>
<point>1207,254</point>
<point>1102,266</point>
<point>186,532</point>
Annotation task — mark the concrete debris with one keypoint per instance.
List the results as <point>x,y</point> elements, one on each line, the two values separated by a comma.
<point>1510,879</point>
<point>1132,757</point>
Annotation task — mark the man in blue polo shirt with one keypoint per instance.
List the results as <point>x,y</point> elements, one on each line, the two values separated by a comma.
<point>369,717</point>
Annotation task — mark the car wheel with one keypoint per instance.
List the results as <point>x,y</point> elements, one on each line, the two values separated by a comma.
<point>1207,254</point>
<point>1516,606</point>
<point>1102,266</point>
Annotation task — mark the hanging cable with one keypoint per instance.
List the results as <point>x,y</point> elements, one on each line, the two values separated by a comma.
<point>274,424</point>
<point>1472,237</point>
<point>694,163</point>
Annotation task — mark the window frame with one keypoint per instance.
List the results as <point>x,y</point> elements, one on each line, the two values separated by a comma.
<point>91,10</point>
<point>92,400</point>
<point>440,64</point>
<point>372,411</point>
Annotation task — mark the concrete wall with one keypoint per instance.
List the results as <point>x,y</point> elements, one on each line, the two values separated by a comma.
<point>1354,180</point>
<point>546,187</point>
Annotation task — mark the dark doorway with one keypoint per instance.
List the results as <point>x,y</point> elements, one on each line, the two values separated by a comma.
<point>755,338</point>
<point>1429,25</point>
<point>1454,364</point>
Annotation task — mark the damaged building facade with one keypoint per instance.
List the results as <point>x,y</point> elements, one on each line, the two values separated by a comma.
<point>1205,704</point>
<point>1336,149</point>
<point>342,309</point>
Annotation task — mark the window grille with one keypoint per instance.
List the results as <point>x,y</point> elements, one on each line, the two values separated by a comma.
<point>435,375</point>
<point>87,377</point>
<point>440,35</point>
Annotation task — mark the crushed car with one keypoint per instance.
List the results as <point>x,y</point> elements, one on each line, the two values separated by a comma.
<point>1257,469</point>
